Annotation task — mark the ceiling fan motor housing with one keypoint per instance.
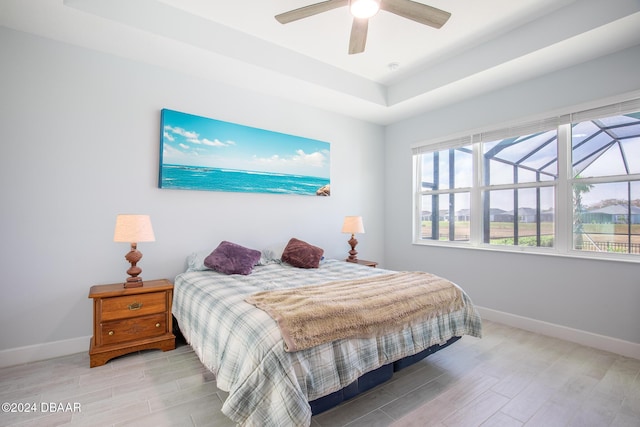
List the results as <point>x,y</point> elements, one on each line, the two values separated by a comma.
<point>364,9</point>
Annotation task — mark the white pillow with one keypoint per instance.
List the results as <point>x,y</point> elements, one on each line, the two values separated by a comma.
<point>195,261</point>
<point>271,255</point>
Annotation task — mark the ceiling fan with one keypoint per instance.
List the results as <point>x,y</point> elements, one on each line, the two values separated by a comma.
<point>362,10</point>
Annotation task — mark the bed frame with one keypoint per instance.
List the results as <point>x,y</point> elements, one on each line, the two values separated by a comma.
<point>372,379</point>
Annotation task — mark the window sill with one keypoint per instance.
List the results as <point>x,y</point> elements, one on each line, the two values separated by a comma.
<point>595,256</point>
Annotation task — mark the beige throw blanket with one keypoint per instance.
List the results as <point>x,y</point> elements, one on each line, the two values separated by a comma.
<point>312,315</point>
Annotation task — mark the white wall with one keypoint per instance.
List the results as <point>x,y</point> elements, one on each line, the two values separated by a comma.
<point>600,297</point>
<point>79,132</point>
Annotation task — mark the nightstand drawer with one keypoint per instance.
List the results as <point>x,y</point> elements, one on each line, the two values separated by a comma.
<point>133,329</point>
<point>124,307</point>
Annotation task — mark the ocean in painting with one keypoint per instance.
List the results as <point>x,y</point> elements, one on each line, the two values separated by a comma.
<point>215,179</point>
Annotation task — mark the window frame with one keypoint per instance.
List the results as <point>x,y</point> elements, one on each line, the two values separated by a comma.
<point>563,185</point>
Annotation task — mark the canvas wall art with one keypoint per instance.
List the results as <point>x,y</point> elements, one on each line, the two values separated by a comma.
<point>199,153</point>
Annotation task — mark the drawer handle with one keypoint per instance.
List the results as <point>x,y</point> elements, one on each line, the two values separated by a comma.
<point>135,306</point>
<point>157,325</point>
<point>111,333</point>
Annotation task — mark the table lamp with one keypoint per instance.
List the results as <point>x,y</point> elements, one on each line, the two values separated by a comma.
<point>133,229</point>
<point>353,225</point>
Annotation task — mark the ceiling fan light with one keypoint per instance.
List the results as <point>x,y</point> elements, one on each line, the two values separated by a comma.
<point>364,9</point>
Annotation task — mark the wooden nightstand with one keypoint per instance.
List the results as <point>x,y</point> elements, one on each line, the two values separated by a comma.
<point>365,262</point>
<point>129,320</point>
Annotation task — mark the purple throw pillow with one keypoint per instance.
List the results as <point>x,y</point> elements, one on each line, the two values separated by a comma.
<point>230,258</point>
<point>302,254</point>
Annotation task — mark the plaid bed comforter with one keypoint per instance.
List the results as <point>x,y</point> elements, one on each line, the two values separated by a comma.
<point>242,345</point>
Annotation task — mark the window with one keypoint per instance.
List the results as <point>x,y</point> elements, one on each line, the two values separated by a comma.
<point>445,197</point>
<point>606,184</point>
<point>568,184</point>
<point>519,179</point>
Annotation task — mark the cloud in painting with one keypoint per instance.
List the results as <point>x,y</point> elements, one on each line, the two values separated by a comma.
<point>181,132</point>
<point>298,163</point>
<point>216,143</point>
<point>192,137</point>
<point>168,136</point>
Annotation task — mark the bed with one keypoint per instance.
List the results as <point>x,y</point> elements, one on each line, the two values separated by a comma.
<point>244,347</point>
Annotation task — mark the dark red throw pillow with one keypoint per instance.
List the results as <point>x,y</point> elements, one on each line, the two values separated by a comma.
<point>302,254</point>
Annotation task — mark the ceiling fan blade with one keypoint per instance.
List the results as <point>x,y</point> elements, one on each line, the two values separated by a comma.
<point>358,38</point>
<point>313,9</point>
<point>418,12</point>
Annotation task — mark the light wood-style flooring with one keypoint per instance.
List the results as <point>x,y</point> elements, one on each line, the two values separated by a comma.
<point>510,377</point>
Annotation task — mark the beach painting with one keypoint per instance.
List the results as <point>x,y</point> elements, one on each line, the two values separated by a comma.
<point>199,153</point>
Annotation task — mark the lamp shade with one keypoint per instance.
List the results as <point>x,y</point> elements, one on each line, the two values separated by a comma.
<point>133,229</point>
<point>352,225</point>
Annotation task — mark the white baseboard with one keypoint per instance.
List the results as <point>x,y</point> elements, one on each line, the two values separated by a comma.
<point>37,352</point>
<point>589,339</point>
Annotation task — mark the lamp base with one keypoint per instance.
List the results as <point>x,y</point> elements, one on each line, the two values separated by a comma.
<point>353,254</point>
<point>133,282</point>
<point>133,256</point>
